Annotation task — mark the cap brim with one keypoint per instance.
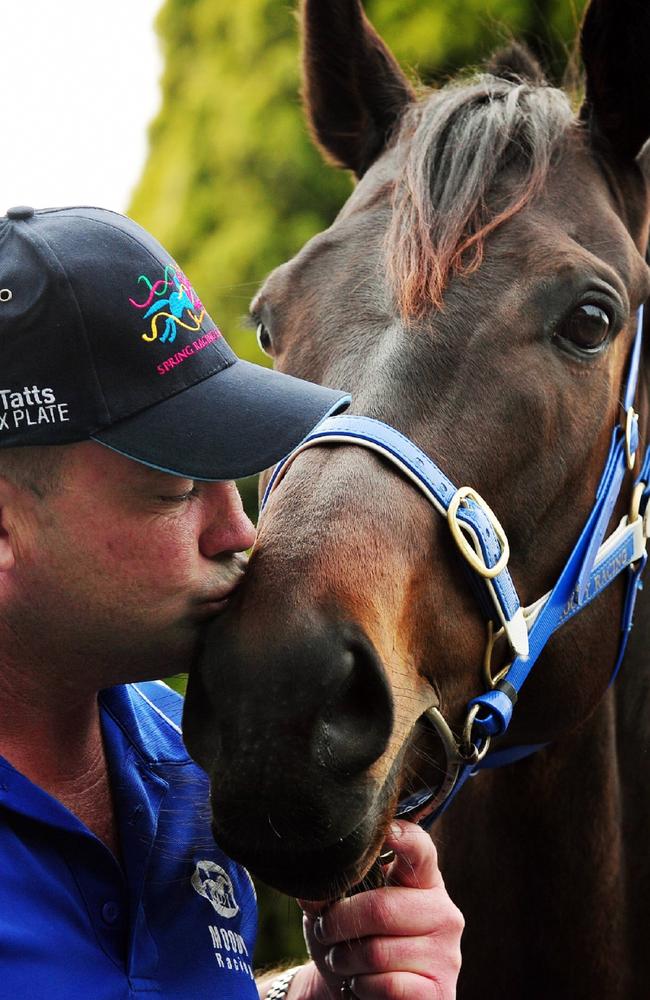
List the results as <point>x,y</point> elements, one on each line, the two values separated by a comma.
<point>235,423</point>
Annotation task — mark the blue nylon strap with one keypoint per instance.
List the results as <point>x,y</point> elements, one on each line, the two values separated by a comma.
<point>567,597</point>
<point>635,359</point>
<point>370,431</point>
<point>509,755</point>
<point>412,803</point>
<point>418,803</point>
<point>491,551</point>
<point>577,584</point>
<point>644,475</point>
<point>440,490</point>
<point>497,707</point>
<point>606,496</point>
<point>635,583</point>
<point>601,576</point>
<point>466,772</point>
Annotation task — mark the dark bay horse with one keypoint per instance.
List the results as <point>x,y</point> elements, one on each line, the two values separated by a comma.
<point>478,292</point>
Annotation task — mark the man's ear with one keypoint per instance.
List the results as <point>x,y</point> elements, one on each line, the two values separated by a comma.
<point>7,534</point>
<point>643,159</point>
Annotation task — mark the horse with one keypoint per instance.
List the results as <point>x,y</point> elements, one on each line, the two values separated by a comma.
<point>479,294</point>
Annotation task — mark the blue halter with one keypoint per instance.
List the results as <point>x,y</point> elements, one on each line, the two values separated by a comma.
<point>591,567</point>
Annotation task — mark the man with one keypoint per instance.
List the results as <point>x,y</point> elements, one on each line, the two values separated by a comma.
<point>124,418</point>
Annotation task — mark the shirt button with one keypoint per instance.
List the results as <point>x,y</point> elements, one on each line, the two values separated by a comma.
<point>110,912</point>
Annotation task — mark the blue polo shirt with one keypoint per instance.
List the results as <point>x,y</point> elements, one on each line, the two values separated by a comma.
<point>177,921</point>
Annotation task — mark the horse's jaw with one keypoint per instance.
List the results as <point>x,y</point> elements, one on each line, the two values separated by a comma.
<point>307,871</point>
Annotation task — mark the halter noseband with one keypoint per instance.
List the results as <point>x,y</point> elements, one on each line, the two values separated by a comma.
<point>591,567</point>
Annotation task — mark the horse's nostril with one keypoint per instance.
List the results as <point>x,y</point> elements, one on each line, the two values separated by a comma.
<point>355,723</point>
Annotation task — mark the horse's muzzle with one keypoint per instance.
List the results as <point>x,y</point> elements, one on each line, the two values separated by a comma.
<point>288,721</point>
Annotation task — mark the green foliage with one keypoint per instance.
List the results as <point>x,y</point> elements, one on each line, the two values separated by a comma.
<point>178,683</point>
<point>233,186</point>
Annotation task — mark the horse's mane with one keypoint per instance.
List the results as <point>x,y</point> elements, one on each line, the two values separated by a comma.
<point>457,142</point>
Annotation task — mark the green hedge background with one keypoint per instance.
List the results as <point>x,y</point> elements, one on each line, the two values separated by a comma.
<point>233,187</point>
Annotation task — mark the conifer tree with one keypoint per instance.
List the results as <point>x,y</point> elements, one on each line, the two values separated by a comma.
<point>232,184</point>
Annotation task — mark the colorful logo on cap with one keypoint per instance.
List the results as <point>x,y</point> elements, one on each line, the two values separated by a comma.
<point>171,303</point>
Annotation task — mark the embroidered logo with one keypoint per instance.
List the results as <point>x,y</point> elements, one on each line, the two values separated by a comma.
<point>212,882</point>
<point>170,303</point>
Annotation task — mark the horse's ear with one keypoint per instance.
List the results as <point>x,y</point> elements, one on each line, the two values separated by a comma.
<point>353,89</point>
<point>615,41</point>
<point>515,62</point>
<point>643,160</point>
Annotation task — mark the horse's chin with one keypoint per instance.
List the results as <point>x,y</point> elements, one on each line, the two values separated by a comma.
<point>320,873</point>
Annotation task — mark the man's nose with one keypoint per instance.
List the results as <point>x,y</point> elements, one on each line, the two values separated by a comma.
<point>227,528</point>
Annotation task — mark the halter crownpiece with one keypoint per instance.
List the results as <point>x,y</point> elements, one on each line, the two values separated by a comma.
<point>591,567</point>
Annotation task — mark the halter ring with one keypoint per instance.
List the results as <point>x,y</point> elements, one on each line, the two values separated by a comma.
<point>469,751</point>
<point>477,563</point>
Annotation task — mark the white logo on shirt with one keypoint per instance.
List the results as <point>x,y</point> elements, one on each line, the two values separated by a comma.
<point>212,882</point>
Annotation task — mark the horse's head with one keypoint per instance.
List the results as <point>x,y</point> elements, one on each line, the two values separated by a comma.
<point>478,291</point>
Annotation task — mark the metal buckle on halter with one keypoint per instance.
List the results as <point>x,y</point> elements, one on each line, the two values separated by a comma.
<point>631,436</point>
<point>476,561</point>
<point>635,504</point>
<point>491,680</point>
<point>636,515</point>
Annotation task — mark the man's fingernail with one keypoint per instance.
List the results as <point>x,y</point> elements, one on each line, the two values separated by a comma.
<point>318,929</point>
<point>396,830</point>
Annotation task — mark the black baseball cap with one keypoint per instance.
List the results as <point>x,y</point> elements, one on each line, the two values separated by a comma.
<point>103,337</point>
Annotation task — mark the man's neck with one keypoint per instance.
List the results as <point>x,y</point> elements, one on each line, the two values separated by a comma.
<point>55,740</point>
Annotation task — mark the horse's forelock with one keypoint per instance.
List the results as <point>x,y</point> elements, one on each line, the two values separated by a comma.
<point>457,143</point>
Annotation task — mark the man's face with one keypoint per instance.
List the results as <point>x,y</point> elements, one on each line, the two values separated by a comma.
<point>117,572</point>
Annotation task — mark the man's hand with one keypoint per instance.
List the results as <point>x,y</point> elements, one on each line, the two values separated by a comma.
<point>396,943</point>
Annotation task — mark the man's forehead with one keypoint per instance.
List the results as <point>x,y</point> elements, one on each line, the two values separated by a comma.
<point>91,461</point>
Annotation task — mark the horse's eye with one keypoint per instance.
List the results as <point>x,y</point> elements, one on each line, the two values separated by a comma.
<point>264,338</point>
<point>587,328</point>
